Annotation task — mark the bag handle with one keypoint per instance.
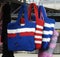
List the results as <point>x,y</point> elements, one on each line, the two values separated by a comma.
<point>42,12</point>
<point>23,8</point>
<point>33,5</point>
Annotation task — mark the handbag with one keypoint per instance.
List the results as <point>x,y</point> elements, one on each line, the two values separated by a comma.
<point>39,25</point>
<point>21,38</point>
<point>48,28</point>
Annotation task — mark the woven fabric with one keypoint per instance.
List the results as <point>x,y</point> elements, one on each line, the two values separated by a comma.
<point>21,37</point>
<point>48,28</point>
<point>39,25</point>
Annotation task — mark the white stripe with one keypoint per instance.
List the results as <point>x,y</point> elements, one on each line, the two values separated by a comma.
<point>12,31</point>
<point>38,26</point>
<point>22,24</point>
<point>52,25</point>
<point>39,32</point>
<point>38,37</point>
<point>38,42</point>
<point>46,39</point>
<point>21,30</point>
<point>26,30</point>
<point>48,32</point>
<point>49,25</point>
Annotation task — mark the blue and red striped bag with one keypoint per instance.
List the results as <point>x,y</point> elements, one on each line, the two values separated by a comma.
<point>48,28</point>
<point>39,25</point>
<point>21,37</point>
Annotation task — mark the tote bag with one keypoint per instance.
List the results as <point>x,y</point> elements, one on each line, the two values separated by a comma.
<point>21,37</point>
<point>39,25</point>
<point>48,28</point>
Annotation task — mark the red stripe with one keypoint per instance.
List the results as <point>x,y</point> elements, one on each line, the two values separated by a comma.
<point>38,39</point>
<point>12,35</point>
<point>38,34</point>
<point>27,34</point>
<point>39,29</point>
<point>22,34</point>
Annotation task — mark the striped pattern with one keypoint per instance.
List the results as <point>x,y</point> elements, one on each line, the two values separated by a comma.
<point>48,27</point>
<point>47,34</point>
<point>38,33</point>
<point>21,32</point>
<point>24,41</point>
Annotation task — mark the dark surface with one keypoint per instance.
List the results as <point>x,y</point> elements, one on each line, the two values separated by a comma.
<point>6,19</point>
